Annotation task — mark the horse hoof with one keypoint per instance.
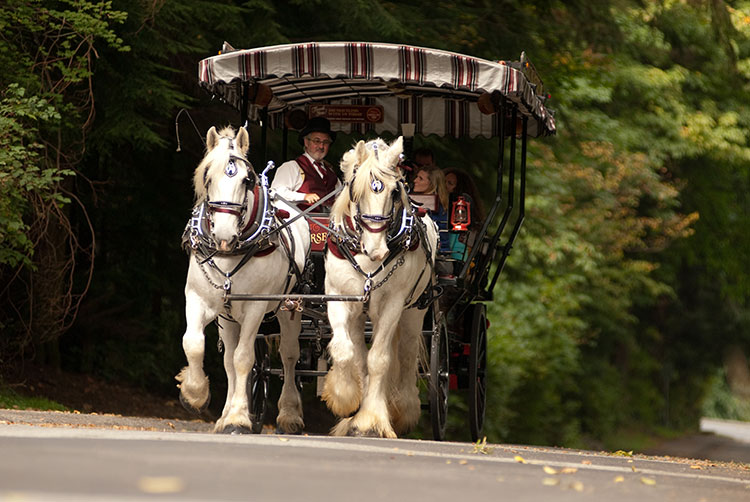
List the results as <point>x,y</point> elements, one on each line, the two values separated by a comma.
<point>192,409</point>
<point>282,432</point>
<point>235,430</point>
<point>355,432</point>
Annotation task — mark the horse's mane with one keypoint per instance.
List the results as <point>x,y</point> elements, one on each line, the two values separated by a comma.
<point>214,161</point>
<point>359,166</point>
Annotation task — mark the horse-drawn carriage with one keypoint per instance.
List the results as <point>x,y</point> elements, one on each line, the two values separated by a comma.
<point>368,90</point>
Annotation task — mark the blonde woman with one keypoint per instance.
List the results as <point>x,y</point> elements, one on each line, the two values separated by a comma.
<point>430,180</point>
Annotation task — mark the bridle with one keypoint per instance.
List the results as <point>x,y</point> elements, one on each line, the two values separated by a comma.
<point>383,221</point>
<point>253,224</point>
<point>229,207</point>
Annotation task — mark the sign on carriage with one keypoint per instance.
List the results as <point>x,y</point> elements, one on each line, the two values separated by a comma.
<point>353,114</point>
<point>318,233</point>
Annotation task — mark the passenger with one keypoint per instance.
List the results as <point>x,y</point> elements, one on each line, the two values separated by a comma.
<point>422,157</point>
<point>429,180</point>
<point>460,183</point>
<point>308,178</point>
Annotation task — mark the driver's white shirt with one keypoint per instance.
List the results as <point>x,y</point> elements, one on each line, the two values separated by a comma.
<point>289,178</point>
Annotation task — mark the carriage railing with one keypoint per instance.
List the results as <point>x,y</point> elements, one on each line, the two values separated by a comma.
<point>484,252</point>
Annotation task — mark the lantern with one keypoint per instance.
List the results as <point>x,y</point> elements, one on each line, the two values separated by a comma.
<point>461,214</point>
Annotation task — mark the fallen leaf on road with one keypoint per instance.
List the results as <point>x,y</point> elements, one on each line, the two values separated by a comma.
<point>577,486</point>
<point>648,481</point>
<point>696,467</point>
<point>550,481</point>
<point>586,462</point>
<point>283,440</point>
<point>622,453</point>
<point>463,462</point>
<point>549,470</point>
<point>619,479</point>
<point>632,467</point>
<point>569,470</point>
<point>161,484</point>
<point>519,459</point>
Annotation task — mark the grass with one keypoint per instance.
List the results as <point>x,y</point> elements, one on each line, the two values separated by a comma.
<point>9,399</point>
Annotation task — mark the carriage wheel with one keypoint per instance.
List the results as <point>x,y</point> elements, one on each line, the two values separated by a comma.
<point>477,371</point>
<point>258,385</point>
<point>439,379</point>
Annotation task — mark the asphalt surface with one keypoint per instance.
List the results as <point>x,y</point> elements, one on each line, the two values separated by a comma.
<point>62,456</point>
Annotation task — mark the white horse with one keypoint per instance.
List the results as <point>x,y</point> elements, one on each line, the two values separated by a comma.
<point>390,252</point>
<point>232,246</point>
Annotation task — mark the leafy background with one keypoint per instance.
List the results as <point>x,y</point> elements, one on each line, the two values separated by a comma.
<point>628,287</point>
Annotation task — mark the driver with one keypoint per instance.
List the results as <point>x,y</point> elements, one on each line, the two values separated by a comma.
<point>308,178</point>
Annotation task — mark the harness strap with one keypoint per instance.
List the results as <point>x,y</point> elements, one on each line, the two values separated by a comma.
<point>252,219</point>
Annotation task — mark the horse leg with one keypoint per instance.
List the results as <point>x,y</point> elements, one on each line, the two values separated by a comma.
<point>237,417</point>
<point>289,420</point>
<point>193,382</point>
<point>343,385</point>
<point>404,405</point>
<point>373,418</point>
<point>229,332</point>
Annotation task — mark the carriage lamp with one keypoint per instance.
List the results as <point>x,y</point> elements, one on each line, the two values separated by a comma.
<point>460,214</point>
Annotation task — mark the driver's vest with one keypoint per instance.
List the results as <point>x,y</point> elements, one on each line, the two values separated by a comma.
<point>313,183</point>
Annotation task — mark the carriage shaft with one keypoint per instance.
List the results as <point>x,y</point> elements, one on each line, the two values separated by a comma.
<point>309,298</point>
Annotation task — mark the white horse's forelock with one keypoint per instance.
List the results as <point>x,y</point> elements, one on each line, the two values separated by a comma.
<point>214,161</point>
<point>359,166</point>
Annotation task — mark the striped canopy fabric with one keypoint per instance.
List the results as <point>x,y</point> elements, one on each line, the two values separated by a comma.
<point>436,90</point>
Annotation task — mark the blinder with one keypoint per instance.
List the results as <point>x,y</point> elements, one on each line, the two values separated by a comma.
<point>251,180</point>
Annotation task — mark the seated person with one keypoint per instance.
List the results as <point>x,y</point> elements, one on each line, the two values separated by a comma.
<point>460,183</point>
<point>423,157</point>
<point>429,180</point>
<point>308,178</point>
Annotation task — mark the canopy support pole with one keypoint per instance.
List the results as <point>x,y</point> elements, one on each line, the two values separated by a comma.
<point>521,209</point>
<point>479,244</point>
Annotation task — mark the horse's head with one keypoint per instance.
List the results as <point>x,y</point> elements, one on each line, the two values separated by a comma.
<point>374,193</point>
<point>224,178</point>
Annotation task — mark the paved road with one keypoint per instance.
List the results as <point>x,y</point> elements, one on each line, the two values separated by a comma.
<point>45,459</point>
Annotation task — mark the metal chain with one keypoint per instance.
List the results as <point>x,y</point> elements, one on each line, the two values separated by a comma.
<point>400,262</point>
<point>205,274</point>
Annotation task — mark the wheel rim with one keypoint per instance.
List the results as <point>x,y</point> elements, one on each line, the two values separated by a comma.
<point>478,372</point>
<point>439,380</point>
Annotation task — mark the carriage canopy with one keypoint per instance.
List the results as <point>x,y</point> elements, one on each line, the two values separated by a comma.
<point>376,87</point>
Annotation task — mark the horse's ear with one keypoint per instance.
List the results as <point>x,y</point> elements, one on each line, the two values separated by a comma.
<point>243,141</point>
<point>360,152</point>
<point>212,139</point>
<point>396,148</point>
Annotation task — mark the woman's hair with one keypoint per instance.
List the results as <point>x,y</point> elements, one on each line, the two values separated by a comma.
<point>465,184</point>
<point>437,183</point>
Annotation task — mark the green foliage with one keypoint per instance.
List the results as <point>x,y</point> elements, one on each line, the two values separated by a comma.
<point>12,400</point>
<point>629,274</point>
<point>23,173</point>
<point>722,403</point>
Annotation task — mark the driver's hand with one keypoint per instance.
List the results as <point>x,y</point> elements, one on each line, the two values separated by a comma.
<point>311,198</point>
